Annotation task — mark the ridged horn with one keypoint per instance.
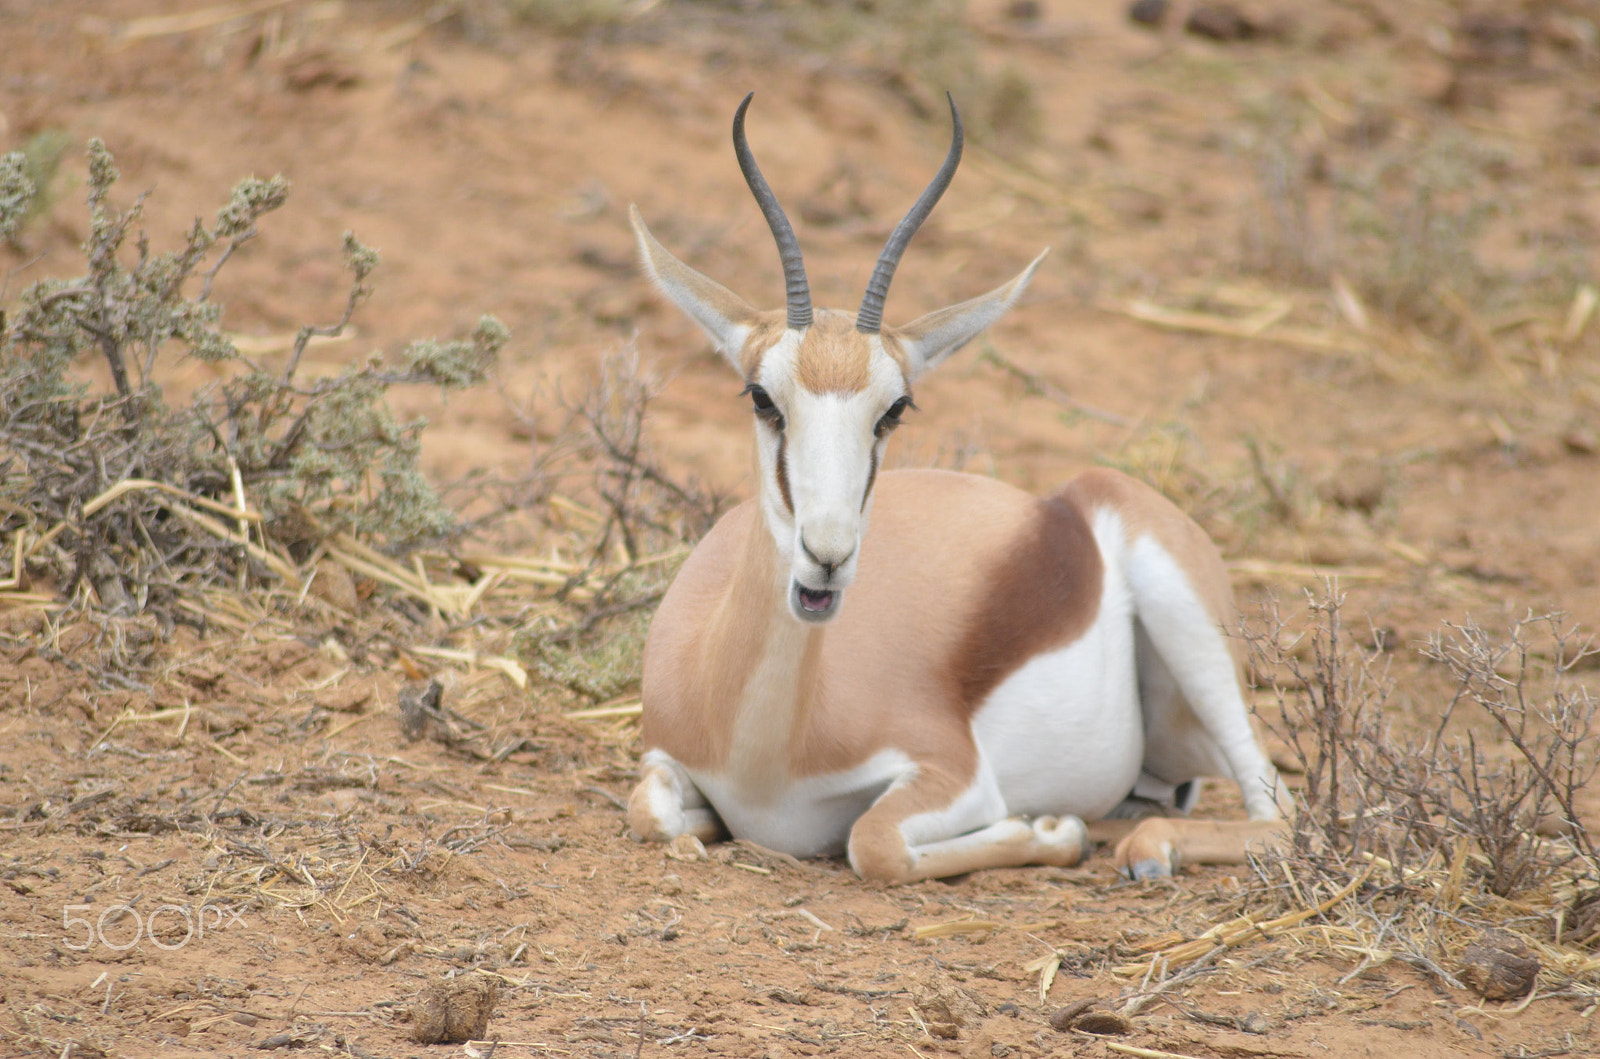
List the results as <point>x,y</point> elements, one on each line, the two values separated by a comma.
<point>794,268</point>
<point>869,321</point>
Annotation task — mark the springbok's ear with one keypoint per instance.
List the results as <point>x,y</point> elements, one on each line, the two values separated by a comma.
<point>721,314</point>
<point>929,339</point>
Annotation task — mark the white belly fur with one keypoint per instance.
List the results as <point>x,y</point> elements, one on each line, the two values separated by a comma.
<point>809,817</point>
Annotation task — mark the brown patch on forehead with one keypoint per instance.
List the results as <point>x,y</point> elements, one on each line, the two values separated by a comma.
<point>834,356</point>
<point>1045,594</point>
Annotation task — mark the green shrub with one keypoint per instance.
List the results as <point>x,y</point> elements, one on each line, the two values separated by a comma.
<point>115,489</point>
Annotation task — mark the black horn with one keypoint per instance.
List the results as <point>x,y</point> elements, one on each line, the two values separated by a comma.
<point>869,321</point>
<point>794,268</point>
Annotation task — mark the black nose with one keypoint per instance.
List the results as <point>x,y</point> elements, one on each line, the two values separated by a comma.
<point>827,568</point>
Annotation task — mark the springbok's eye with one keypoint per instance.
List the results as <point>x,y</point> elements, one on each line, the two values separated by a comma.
<point>764,408</point>
<point>891,419</point>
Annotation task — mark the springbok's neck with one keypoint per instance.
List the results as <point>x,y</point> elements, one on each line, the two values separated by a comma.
<point>781,664</point>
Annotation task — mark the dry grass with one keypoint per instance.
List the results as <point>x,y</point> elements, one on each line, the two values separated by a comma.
<point>273,503</point>
<point>1407,847</point>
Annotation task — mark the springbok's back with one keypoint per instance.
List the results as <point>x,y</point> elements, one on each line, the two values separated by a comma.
<point>961,687</point>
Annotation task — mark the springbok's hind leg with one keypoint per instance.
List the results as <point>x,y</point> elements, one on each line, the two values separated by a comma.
<point>666,804</point>
<point>1196,720</point>
<point>1158,847</point>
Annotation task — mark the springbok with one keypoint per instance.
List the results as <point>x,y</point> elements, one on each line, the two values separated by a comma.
<point>965,685</point>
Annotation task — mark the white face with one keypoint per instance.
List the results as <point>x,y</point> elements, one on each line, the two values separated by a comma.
<point>819,457</point>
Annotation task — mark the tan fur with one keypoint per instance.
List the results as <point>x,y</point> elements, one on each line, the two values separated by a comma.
<point>834,356</point>
<point>894,346</point>
<point>769,327</point>
<point>693,714</point>
<point>889,644</point>
<point>879,848</point>
<point>1177,842</point>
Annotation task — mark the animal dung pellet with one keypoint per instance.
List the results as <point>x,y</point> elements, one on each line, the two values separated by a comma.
<point>1104,1023</point>
<point>1087,1016</point>
<point>1499,966</point>
<point>454,1011</point>
<point>1064,1018</point>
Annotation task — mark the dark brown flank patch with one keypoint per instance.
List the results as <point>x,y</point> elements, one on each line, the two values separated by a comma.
<point>1045,594</point>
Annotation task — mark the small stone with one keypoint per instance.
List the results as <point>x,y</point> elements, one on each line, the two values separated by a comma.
<point>1499,966</point>
<point>1359,485</point>
<point>686,848</point>
<point>945,1006</point>
<point>1220,22</point>
<point>1581,441</point>
<point>1148,12</point>
<point>366,941</point>
<point>333,584</point>
<point>316,69</point>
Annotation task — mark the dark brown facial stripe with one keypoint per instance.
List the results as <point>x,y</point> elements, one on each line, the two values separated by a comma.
<point>783,472</point>
<point>1045,594</point>
<point>872,476</point>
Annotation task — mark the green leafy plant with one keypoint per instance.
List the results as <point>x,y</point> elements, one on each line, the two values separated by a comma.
<point>115,490</point>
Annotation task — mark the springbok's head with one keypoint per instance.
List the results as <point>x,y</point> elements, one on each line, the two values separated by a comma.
<point>826,390</point>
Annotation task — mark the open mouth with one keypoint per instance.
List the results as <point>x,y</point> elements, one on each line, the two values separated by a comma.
<point>815,602</point>
<point>812,604</point>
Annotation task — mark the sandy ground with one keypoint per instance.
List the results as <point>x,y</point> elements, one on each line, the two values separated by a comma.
<point>1442,463</point>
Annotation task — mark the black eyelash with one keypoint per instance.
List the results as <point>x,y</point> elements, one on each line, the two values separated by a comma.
<point>764,408</point>
<point>891,418</point>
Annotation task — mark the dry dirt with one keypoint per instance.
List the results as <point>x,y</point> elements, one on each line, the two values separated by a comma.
<point>300,871</point>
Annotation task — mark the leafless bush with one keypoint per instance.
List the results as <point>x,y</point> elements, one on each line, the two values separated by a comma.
<point>600,455</point>
<point>1501,811</point>
<point>1525,684</point>
<point>638,494</point>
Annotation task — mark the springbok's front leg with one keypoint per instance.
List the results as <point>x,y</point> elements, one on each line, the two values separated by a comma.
<point>1159,846</point>
<point>934,824</point>
<point>666,803</point>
